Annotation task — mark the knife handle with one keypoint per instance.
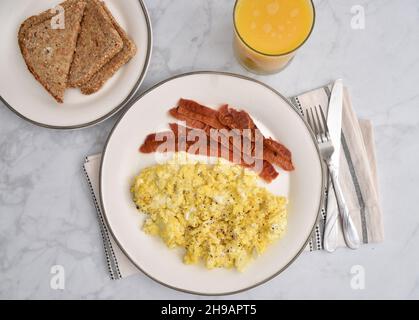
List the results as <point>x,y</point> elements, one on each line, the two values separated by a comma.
<point>349,230</point>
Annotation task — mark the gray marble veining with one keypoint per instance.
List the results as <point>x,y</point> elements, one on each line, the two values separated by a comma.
<point>47,217</point>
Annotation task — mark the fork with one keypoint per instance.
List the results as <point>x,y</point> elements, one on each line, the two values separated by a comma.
<point>318,125</point>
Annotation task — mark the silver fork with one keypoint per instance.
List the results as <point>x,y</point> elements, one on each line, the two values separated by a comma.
<point>319,126</point>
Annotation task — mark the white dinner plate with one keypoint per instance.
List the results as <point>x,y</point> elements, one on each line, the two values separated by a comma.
<point>27,98</point>
<point>122,161</point>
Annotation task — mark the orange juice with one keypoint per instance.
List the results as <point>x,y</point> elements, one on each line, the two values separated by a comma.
<point>268,32</point>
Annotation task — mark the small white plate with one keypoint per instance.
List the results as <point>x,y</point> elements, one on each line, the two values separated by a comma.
<point>122,161</point>
<point>27,98</point>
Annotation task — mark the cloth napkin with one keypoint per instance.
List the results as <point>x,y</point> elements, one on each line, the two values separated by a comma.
<point>357,172</point>
<point>358,176</point>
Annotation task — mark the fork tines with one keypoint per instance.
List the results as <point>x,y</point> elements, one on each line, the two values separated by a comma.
<point>318,123</point>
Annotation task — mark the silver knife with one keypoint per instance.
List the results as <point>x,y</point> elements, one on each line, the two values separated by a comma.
<point>337,204</point>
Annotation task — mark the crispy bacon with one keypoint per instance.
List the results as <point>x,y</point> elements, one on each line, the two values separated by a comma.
<point>183,133</point>
<point>174,112</point>
<point>235,119</point>
<point>150,144</point>
<point>197,116</point>
<point>268,172</point>
<point>284,163</point>
<point>206,120</point>
<point>277,147</point>
<point>196,111</point>
<point>273,152</point>
<point>238,120</point>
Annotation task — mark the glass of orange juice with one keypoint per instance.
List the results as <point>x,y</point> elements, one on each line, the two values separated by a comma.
<point>269,32</point>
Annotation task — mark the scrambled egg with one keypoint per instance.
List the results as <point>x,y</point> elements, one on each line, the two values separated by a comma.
<point>218,213</point>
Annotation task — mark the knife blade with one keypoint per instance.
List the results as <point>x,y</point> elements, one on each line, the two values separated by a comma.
<point>334,123</point>
<point>334,119</point>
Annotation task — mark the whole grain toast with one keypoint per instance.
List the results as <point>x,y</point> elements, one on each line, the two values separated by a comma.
<point>47,51</point>
<point>108,70</point>
<point>98,43</point>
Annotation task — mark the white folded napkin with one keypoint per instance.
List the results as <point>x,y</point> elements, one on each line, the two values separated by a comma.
<point>357,175</point>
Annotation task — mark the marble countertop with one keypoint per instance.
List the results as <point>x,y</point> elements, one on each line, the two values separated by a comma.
<point>47,217</point>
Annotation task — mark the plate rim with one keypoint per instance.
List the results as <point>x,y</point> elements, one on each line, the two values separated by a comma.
<point>115,110</point>
<point>230,74</point>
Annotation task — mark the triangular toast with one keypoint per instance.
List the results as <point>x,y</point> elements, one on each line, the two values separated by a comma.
<point>108,70</point>
<point>98,43</point>
<point>48,51</point>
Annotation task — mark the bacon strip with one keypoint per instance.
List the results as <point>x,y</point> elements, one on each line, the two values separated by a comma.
<point>200,117</point>
<point>196,111</point>
<point>183,133</point>
<point>174,112</point>
<point>235,119</point>
<point>150,144</point>
<point>273,152</point>
<point>268,173</point>
<point>277,147</point>
<point>196,124</point>
<point>226,143</point>
<point>270,156</point>
<point>278,159</point>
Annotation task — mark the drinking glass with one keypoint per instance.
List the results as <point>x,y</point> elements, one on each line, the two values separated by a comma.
<point>268,33</point>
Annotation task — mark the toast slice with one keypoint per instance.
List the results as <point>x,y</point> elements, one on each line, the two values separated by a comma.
<point>128,51</point>
<point>49,52</point>
<point>98,43</point>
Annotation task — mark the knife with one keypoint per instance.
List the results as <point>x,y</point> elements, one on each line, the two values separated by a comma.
<point>336,205</point>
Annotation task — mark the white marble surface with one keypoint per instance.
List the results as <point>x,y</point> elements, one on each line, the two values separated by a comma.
<point>47,216</point>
